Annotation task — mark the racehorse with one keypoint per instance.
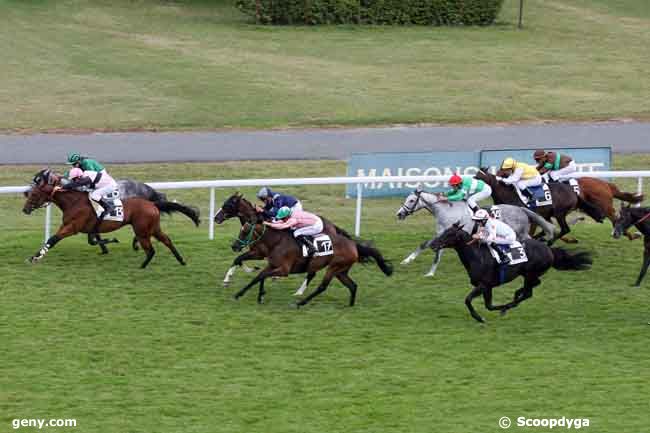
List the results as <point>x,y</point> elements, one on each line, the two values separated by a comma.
<point>128,188</point>
<point>447,213</point>
<point>564,199</point>
<point>284,257</point>
<point>485,274</point>
<point>640,218</point>
<point>602,194</point>
<point>236,206</point>
<point>79,216</point>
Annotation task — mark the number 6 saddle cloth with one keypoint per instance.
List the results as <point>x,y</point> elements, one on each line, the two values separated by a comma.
<point>323,244</point>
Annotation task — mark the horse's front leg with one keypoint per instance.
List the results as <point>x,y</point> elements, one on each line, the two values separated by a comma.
<point>266,273</point>
<point>434,265</point>
<point>646,262</point>
<point>248,255</point>
<point>423,246</point>
<point>62,233</point>
<point>476,291</point>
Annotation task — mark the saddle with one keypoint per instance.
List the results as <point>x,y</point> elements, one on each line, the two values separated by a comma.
<point>322,243</point>
<point>539,195</point>
<point>113,197</point>
<point>516,253</point>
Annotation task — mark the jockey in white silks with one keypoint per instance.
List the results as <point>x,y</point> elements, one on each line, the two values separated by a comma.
<point>493,231</point>
<point>100,183</point>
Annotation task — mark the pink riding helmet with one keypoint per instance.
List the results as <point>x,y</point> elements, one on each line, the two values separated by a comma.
<point>75,173</point>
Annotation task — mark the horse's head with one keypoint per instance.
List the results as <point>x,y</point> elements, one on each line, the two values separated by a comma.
<point>229,209</point>
<point>412,204</point>
<point>41,191</point>
<point>502,172</point>
<point>624,221</point>
<point>451,237</point>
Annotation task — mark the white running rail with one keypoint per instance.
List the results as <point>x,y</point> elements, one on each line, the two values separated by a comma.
<point>212,185</point>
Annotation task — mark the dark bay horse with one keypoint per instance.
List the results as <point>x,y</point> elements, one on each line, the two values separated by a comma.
<point>236,206</point>
<point>484,272</point>
<point>565,200</point>
<point>79,216</point>
<point>284,257</point>
<point>640,218</point>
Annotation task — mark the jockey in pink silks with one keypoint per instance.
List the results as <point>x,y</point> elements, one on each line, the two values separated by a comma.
<point>101,184</point>
<point>304,224</point>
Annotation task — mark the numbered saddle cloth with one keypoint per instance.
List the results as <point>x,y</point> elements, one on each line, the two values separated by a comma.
<point>323,245</point>
<point>541,195</point>
<point>574,184</point>
<point>117,214</point>
<point>495,211</point>
<point>516,253</point>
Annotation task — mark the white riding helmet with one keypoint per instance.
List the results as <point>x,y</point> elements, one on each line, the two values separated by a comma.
<point>481,215</point>
<point>263,193</point>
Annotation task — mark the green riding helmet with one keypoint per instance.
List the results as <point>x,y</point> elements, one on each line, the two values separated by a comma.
<point>74,158</point>
<point>283,213</point>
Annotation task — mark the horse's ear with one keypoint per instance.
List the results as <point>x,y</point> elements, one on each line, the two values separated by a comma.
<point>457,224</point>
<point>419,189</point>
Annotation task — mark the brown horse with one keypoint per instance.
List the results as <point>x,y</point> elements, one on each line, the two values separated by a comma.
<point>284,257</point>
<point>236,206</point>
<point>79,216</point>
<point>602,194</point>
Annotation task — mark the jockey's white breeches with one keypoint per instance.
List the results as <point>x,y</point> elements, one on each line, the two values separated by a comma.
<point>98,193</point>
<point>526,183</point>
<point>476,197</point>
<point>311,230</point>
<point>564,172</point>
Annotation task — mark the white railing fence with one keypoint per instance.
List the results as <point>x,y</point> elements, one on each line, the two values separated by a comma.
<point>212,185</point>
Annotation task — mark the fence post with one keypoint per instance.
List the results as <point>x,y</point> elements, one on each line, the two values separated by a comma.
<point>48,215</point>
<point>211,216</point>
<point>521,13</point>
<point>357,220</point>
<point>639,189</point>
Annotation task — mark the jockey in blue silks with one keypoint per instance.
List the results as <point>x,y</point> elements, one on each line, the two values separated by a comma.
<point>273,201</point>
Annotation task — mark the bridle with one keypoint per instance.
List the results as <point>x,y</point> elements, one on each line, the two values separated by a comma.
<point>411,210</point>
<point>250,238</point>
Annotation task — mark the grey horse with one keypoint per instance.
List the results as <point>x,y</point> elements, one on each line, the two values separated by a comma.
<point>447,213</point>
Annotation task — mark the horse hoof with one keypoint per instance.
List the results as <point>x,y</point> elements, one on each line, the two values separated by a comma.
<point>183,263</point>
<point>115,240</point>
<point>430,275</point>
<point>226,283</point>
<point>260,300</point>
<point>504,311</point>
<point>235,297</point>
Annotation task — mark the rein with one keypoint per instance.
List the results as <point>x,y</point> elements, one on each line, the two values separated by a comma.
<point>249,236</point>
<point>645,217</point>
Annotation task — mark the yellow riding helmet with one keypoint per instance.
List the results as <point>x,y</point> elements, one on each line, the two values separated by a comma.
<point>508,163</point>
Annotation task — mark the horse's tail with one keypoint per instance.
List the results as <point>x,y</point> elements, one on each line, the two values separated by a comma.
<point>625,196</point>
<point>590,209</point>
<point>549,228</point>
<point>156,196</point>
<point>565,261</point>
<point>169,206</point>
<point>367,253</point>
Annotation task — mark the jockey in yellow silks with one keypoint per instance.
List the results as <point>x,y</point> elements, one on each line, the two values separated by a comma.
<point>521,174</point>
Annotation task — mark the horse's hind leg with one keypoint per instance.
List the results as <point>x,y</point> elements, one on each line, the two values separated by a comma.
<point>434,265</point>
<point>476,291</point>
<point>564,229</point>
<point>162,237</point>
<point>423,246</point>
<point>148,249</point>
<point>320,289</point>
<point>305,284</point>
<point>261,293</point>
<point>350,284</point>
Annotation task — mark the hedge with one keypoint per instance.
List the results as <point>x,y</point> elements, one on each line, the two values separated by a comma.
<point>422,12</point>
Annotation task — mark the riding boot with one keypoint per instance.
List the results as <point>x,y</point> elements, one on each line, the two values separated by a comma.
<point>107,205</point>
<point>304,240</point>
<point>503,257</point>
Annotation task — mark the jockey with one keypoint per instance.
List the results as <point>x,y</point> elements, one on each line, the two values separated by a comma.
<point>522,175</point>
<point>304,223</point>
<point>273,201</point>
<point>494,232</point>
<point>467,188</point>
<point>100,183</point>
<point>554,165</point>
<point>86,164</point>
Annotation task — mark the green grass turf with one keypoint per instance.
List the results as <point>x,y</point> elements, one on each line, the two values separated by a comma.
<point>166,349</point>
<point>123,64</point>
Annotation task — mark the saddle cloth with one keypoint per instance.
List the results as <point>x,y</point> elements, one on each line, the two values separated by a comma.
<point>572,182</point>
<point>516,253</point>
<point>323,245</point>
<point>112,197</point>
<point>541,195</point>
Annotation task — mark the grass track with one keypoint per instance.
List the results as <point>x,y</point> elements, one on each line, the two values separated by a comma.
<point>167,350</point>
<point>189,65</point>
